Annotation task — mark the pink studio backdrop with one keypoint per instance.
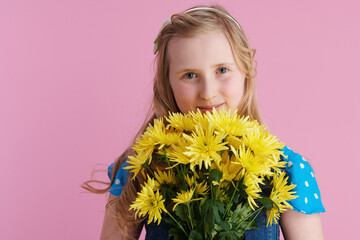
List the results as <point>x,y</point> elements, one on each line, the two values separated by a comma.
<point>75,81</point>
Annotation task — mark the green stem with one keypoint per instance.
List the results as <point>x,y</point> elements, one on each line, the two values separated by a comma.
<point>151,171</point>
<point>228,206</point>
<point>195,179</point>
<point>257,212</point>
<point>183,173</point>
<point>205,232</point>
<point>189,215</point>
<point>195,185</point>
<point>217,191</point>
<point>167,160</point>
<point>177,223</point>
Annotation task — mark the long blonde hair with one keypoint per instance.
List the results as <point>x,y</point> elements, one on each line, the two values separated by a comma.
<point>184,24</point>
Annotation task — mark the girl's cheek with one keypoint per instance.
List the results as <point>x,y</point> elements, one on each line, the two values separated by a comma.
<point>230,85</point>
<point>233,87</point>
<point>185,90</point>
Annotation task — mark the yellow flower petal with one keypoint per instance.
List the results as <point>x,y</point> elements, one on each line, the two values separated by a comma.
<point>149,202</point>
<point>184,197</point>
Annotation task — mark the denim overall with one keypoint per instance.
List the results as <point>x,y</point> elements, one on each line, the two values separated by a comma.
<point>160,232</point>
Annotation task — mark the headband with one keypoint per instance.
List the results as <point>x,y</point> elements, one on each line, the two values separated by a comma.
<point>191,10</point>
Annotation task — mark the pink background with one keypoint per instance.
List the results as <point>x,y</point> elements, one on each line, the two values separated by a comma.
<point>75,82</point>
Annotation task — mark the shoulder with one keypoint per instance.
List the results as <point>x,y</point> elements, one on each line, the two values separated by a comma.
<point>120,178</point>
<point>302,175</point>
<point>296,164</point>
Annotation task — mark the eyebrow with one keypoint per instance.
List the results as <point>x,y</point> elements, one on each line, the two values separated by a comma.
<point>181,71</point>
<point>223,64</point>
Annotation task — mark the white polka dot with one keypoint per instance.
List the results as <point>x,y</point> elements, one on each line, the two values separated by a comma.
<point>316,196</point>
<point>306,200</point>
<point>117,181</point>
<point>290,163</point>
<point>302,165</point>
<point>304,159</point>
<point>289,148</point>
<point>306,183</point>
<point>312,174</point>
<point>302,211</point>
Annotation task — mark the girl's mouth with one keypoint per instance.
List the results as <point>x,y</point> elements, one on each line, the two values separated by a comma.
<point>203,109</point>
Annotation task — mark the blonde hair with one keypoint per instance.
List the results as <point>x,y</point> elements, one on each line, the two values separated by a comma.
<point>184,24</point>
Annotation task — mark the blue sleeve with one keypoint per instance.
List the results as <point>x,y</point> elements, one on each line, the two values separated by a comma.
<point>302,175</point>
<point>120,179</point>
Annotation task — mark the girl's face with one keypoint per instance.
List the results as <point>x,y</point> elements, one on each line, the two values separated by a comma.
<point>203,73</point>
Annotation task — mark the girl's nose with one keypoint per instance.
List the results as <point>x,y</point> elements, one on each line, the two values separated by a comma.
<point>208,88</point>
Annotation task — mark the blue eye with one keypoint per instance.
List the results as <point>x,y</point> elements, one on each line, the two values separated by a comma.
<point>190,75</point>
<point>222,70</point>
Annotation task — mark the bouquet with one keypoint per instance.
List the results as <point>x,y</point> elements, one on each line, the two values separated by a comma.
<point>208,175</point>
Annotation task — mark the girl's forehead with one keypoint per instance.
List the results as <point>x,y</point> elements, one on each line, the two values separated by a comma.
<point>202,48</point>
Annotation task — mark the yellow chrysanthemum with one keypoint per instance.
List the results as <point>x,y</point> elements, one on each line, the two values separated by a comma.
<point>234,141</point>
<point>164,177</point>
<point>176,154</point>
<point>148,138</point>
<point>189,180</point>
<point>180,122</point>
<point>228,123</point>
<point>163,137</point>
<point>251,164</point>
<point>199,119</point>
<point>201,188</point>
<point>252,189</point>
<point>280,194</point>
<point>184,197</point>
<point>136,164</point>
<point>149,202</point>
<point>262,144</point>
<point>144,147</point>
<point>204,147</point>
<point>274,161</point>
<point>155,136</point>
<point>230,169</point>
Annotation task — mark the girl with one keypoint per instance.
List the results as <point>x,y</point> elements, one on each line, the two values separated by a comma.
<point>203,60</point>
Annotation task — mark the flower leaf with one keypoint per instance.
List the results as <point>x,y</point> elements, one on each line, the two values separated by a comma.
<point>266,202</point>
<point>181,212</point>
<point>215,175</point>
<point>195,235</point>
